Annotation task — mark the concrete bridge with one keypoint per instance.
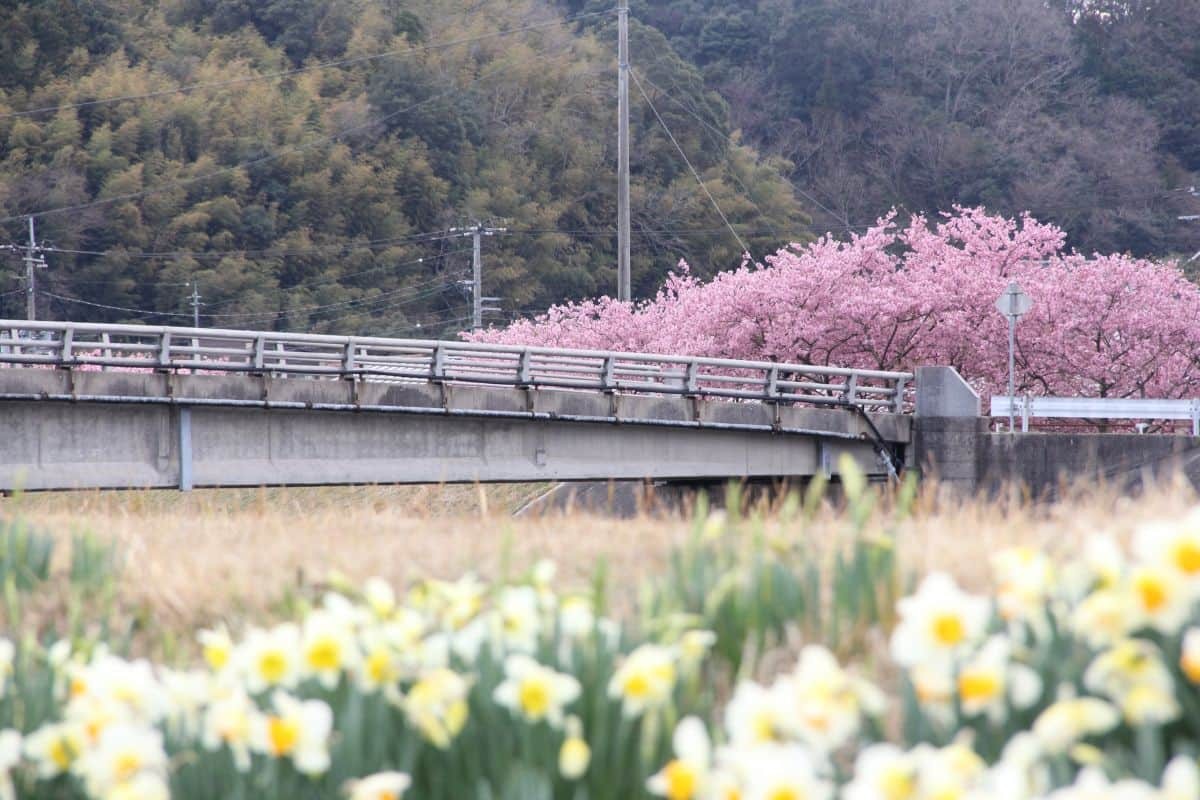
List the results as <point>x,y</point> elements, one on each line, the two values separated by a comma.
<point>109,406</point>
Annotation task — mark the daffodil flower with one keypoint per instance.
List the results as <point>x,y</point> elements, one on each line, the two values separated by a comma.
<point>535,692</point>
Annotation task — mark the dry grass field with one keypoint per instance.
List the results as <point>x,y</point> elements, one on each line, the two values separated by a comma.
<point>191,559</point>
<point>256,606</point>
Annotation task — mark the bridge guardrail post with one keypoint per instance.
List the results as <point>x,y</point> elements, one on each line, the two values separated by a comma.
<point>437,364</point>
<point>259,359</point>
<point>524,369</point>
<point>608,374</point>
<point>850,393</point>
<point>68,340</point>
<point>691,382</point>
<point>164,352</point>
<point>348,360</point>
<point>772,397</point>
<point>898,400</point>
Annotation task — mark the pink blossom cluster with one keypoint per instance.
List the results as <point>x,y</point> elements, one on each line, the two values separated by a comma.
<point>902,296</point>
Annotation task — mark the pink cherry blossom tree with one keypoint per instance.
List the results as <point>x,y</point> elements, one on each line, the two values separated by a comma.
<point>897,297</point>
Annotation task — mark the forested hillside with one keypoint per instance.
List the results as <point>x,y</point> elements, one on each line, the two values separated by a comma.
<point>292,158</point>
<point>299,193</point>
<point>1085,112</point>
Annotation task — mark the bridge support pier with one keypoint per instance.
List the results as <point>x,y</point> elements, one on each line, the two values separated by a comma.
<point>185,449</point>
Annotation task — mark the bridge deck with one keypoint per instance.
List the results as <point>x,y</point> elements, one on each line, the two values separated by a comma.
<point>82,417</point>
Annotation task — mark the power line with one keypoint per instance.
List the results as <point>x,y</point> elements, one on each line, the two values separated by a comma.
<point>695,174</point>
<point>420,295</point>
<point>600,232</point>
<point>131,279</point>
<point>415,238</point>
<point>723,138</point>
<point>420,326</point>
<point>306,285</point>
<point>258,316</point>
<point>345,62</point>
<point>263,159</point>
<point>300,285</point>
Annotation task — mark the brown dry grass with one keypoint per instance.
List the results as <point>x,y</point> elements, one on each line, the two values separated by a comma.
<point>193,559</point>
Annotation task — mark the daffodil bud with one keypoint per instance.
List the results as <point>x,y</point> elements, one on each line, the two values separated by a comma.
<point>574,756</point>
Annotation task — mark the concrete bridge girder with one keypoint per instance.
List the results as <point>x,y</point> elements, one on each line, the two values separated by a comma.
<point>75,429</point>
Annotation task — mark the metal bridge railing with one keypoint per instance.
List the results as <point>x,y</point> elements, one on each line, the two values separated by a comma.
<point>143,348</point>
<point>1098,408</point>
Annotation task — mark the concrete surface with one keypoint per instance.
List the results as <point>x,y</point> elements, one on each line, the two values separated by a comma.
<point>66,429</point>
<point>942,393</point>
<point>1042,463</point>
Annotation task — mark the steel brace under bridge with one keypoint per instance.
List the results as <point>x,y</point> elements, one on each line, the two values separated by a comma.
<point>190,369</point>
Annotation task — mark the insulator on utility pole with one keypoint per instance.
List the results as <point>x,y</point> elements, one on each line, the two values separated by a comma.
<point>624,279</point>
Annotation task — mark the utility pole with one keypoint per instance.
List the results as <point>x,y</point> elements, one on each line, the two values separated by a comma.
<point>33,262</point>
<point>196,305</point>
<point>476,280</point>
<point>477,232</point>
<point>624,279</point>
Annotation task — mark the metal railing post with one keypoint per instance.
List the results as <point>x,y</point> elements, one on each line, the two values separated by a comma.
<point>68,339</point>
<point>772,386</point>
<point>524,369</point>
<point>691,382</point>
<point>850,393</point>
<point>608,375</point>
<point>898,400</point>
<point>164,351</point>
<point>437,364</point>
<point>259,359</point>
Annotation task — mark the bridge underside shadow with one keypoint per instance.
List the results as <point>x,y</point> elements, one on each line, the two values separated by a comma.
<point>73,430</point>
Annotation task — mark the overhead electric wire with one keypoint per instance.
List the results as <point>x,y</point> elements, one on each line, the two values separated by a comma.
<point>723,139</point>
<point>297,286</point>
<point>686,160</point>
<point>419,284</point>
<point>423,326</point>
<point>263,315</point>
<point>416,238</point>
<point>639,232</point>
<point>404,292</point>
<point>337,64</point>
<point>133,280</point>
<point>262,159</point>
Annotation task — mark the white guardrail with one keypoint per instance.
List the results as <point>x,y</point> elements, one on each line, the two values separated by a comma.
<point>136,347</point>
<point>1109,408</point>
